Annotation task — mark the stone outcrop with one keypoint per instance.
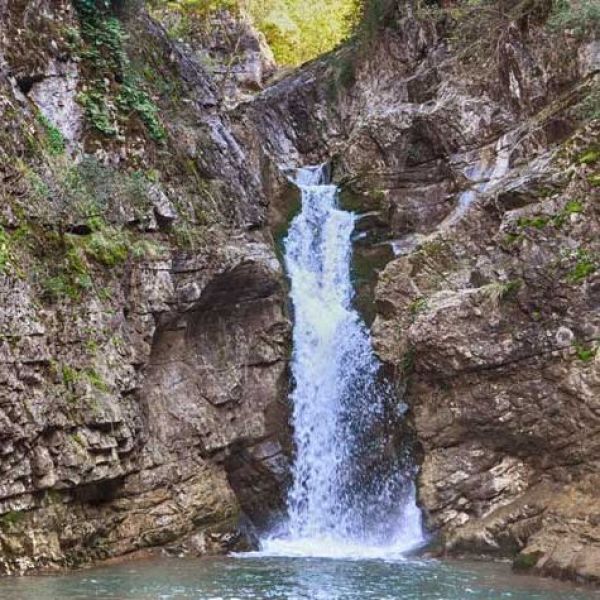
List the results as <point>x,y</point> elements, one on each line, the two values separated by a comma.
<point>144,334</point>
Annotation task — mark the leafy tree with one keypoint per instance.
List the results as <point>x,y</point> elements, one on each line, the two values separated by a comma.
<point>299,30</point>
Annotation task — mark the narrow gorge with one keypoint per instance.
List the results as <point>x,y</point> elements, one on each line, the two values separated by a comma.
<point>208,346</point>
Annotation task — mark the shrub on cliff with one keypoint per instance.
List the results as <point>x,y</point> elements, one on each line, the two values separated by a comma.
<point>582,17</point>
<point>299,30</point>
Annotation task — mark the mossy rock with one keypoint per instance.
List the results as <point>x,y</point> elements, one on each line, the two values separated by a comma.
<point>287,208</point>
<point>526,561</point>
<point>356,201</point>
<point>589,157</point>
<point>11,519</point>
<point>367,262</point>
<point>594,179</point>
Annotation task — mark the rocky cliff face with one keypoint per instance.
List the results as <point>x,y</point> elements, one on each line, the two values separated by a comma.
<point>481,175</point>
<point>473,159</point>
<point>143,330</point>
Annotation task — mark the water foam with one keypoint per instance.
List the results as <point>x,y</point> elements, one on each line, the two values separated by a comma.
<point>352,494</point>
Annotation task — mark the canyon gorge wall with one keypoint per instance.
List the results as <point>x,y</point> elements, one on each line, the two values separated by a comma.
<point>144,330</point>
<point>473,160</point>
<point>144,333</point>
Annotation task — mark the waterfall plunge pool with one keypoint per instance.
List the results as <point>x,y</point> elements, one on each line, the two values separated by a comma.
<point>254,578</point>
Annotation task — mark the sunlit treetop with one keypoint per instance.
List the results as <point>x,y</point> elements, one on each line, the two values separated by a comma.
<point>299,30</point>
<point>296,30</point>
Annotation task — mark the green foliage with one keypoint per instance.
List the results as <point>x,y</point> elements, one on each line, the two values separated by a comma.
<point>573,207</point>
<point>4,250</point>
<point>582,17</point>
<point>147,249</point>
<point>586,264</point>
<point>186,236</point>
<point>87,191</point>
<point>418,305</point>
<point>69,274</point>
<point>98,111</point>
<point>95,379</point>
<point>61,285</point>
<point>589,157</point>
<point>502,290</point>
<point>204,7</point>
<point>78,439</point>
<point>54,142</point>
<point>512,238</point>
<point>540,221</point>
<point>296,30</point>
<point>133,98</point>
<point>69,375</point>
<point>108,246</point>
<point>510,288</point>
<point>526,562</point>
<point>594,179</point>
<point>11,519</point>
<point>407,364</point>
<point>299,30</point>
<point>114,93</point>
<point>434,249</point>
<point>70,268</point>
<point>585,353</point>
<point>91,346</point>
<point>536,222</point>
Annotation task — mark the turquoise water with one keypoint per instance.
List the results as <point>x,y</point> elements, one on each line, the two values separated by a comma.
<point>291,579</point>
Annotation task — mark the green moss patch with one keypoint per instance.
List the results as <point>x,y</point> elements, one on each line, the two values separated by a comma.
<point>526,562</point>
<point>585,353</point>
<point>11,519</point>
<point>589,157</point>
<point>586,264</point>
<point>54,140</point>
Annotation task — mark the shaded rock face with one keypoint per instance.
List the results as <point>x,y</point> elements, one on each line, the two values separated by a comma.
<point>179,426</point>
<point>217,375</point>
<point>143,376</point>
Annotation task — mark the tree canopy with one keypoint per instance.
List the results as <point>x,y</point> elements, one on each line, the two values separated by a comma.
<point>299,30</point>
<point>296,30</point>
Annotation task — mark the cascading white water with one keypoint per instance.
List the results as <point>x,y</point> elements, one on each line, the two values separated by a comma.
<point>352,493</point>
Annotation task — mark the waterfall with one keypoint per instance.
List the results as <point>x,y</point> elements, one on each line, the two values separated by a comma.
<point>353,492</point>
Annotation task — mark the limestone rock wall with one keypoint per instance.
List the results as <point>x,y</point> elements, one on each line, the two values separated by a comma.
<point>144,334</point>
